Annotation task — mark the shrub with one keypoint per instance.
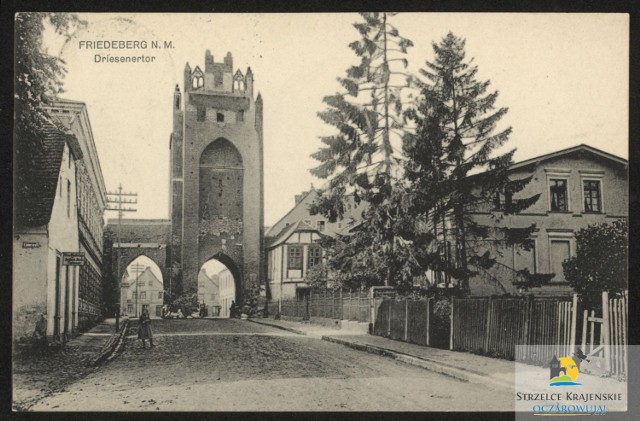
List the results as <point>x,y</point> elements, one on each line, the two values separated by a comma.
<point>188,303</point>
<point>600,263</point>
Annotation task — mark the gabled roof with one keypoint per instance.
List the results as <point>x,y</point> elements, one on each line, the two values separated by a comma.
<point>271,231</point>
<point>148,275</point>
<point>289,230</point>
<point>202,275</point>
<point>582,147</point>
<point>36,198</point>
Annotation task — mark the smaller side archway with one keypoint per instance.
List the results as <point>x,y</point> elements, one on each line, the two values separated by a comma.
<point>142,288</point>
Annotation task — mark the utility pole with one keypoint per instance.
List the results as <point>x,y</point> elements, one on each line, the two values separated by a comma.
<point>138,269</point>
<point>119,198</point>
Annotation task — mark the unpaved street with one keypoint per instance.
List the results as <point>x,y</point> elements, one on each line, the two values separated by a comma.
<point>234,365</point>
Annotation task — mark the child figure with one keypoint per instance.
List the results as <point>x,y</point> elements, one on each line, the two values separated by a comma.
<point>144,329</point>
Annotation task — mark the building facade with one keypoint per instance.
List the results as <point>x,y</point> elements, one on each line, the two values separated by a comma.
<point>140,292</point>
<point>216,175</point>
<point>91,203</point>
<point>290,256</point>
<point>578,187</point>
<point>227,292</point>
<point>208,292</point>
<point>45,229</point>
<point>216,292</point>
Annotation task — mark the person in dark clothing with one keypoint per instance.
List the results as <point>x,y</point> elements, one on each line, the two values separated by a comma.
<point>40,332</point>
<point>144,329</point>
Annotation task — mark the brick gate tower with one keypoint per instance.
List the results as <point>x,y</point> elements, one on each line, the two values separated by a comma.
<point>216,176</point>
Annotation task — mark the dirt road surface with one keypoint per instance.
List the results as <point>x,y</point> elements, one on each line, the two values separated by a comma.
<point>235,365</point>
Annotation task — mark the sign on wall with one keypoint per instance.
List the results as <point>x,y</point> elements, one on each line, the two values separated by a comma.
<point>73,258</point>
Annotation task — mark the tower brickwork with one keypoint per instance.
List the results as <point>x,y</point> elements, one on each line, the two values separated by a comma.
<point>216,199</point>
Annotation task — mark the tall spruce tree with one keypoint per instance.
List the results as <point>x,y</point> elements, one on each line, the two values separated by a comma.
<point>452,170</point>
<point>361,159</point>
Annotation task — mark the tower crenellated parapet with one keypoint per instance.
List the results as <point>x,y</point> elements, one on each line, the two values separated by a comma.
<point>217,197</point>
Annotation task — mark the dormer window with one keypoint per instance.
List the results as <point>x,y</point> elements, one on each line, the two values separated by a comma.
<point>220,117</point>
<point>198,82</point>
<point>238,82</point>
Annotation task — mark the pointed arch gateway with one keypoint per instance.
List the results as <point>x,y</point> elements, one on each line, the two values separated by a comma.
<point>221,208</point>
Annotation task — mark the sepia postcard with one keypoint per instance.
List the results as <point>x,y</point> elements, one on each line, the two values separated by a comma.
<point>373,212</point>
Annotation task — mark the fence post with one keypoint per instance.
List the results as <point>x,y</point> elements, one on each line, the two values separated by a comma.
<point>487,327</point>
<point>371,309</point>
<point>606,339</point>
<point>585,314</point>
<point>389,320</point>
<point>406,319</point>
<point>428,311</point>
<point>349,316</point>
<point>527,321</point>
<point>574,321</point>
<point>333,304</point>
<point>451,333</point>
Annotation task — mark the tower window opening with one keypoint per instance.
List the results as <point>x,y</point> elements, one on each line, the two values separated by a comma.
<point>202,113</point>
<point>197,82</point>
<point>219,117</point>
<point>240,115</point>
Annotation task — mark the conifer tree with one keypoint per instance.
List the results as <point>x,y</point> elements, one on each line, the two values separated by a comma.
<point>452,169</point>
<point>360,159</point>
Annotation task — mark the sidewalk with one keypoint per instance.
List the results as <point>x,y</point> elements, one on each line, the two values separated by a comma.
<point>95,339</point>
<point>461,365</point>
<point>39,374</point>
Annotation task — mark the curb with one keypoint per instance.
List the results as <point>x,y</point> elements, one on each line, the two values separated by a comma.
<point>289,329</point>
<point>408,359</point>
<point>431,365</point>
<point>113,345</point>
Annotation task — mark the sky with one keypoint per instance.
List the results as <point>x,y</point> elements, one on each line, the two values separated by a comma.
<point>564,78</point>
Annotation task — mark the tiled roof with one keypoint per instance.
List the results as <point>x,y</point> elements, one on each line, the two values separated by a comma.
<point>37,197</point>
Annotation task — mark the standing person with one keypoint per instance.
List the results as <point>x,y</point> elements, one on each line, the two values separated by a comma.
<point>40,333</point>
<point>144,328</point>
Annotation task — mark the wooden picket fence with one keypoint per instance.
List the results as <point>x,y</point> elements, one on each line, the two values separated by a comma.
<point>355,306</point>
<point>495,326</point>
<point>483,325</point>
<point>404,320</point>
<point>611,328</point>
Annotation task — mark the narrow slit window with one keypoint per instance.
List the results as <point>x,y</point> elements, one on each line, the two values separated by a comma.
<point>202,113</point>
